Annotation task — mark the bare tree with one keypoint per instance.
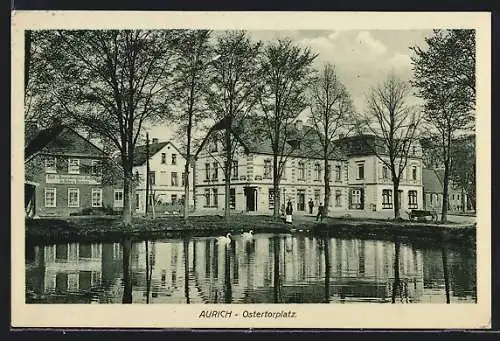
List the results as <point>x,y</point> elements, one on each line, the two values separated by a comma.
<point>286,71</point>
<point>444,74</point>
<point>192,82</point>
<point>112,82</point>
<point>331,112</point>
<point>394,122</point>
<point>232,92</point>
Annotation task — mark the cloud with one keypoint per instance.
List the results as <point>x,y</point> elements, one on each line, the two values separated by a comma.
<point>401,60</point>
<point>373,45</point>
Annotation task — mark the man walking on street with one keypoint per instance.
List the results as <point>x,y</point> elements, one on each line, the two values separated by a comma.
<point>311,206</point>
<point>320,213</point>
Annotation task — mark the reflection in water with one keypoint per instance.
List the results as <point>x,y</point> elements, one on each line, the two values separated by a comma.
<point>127,273</point>
<point>268,269</point>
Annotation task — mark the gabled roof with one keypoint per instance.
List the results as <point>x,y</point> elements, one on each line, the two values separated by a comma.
<point>431,181</point>
<point>59,139</point>
<point>154,148</point>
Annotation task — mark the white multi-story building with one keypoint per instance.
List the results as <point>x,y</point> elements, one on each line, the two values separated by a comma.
<point>166,174</point>
<point>358,179</point>
<point>370,182</point>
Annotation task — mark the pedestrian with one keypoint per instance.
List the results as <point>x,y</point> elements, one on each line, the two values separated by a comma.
<point>289,212</point>
<point>311,206</point>
<point>320,212</point>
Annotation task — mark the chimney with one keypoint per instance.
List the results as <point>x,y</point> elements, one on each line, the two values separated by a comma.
<point>154,140</point>
<point>298,124</point>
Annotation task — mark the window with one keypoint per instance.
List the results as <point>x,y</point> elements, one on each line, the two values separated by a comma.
<point>317,196</point>
<point>361,171</point>
<point>50,197</point>
<point>216,197</point>
<point>356,198</point>
<point>50,165</point>
<point>174,159</point>
<point>386,198</point>
<point>385,173</point>
<point>73,197</point>
<point>412,199</point>
<point>317,171</point>
<point>73,166</point>
<point>453,197</point>
<point>232,198</point>
<point>207,171</point>
<point>414,173</point>
<point>137,201</point>
<point>271,198</point>
<point>174,181</point>
<point>96,197</point>
<point>163,158</point>
<point>118,198</point>
<point>173,198</point>
<point>94,167</point>
<point>458,196</point>
<point>235,170</point>
<point>302,171</point>
<point>338,173</point>
<point>267,169</point>
<point>215,174</point>
<point>152,178</point>
<point>207,197</point>
<point>338,198</point>
<point>183,178</point>
<point>414,150</point>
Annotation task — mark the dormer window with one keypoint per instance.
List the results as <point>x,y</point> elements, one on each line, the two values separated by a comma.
<point>50,165</point>
<point>73,166</point>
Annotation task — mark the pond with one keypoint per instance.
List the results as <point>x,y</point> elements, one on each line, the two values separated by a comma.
<point>268,268</point>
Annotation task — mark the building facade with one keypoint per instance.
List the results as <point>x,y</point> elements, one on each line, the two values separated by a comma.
<point>359,181</point>
<point>64,175</point>
<point>166,175</point>
<point>370,180</point>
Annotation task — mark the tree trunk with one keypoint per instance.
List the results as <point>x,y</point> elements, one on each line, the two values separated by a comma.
<point>276,187</point>
<point>464,202</point>
<point>186,191</point>
<point>148,180</point>
<point>446,180</point>
<point>326,179</point>
<point>127,197</point>
<point>127,273</point>
<point>395,187</point>
<point>227,175</point>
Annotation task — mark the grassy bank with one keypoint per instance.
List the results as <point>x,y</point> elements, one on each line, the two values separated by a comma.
<point>111,228</point>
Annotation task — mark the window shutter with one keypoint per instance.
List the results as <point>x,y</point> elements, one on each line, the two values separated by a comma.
<point>350,197</point>
<point>362,198</point>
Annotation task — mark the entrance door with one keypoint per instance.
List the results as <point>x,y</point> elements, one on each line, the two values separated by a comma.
<point>251,198</point>
<point>301,200</point>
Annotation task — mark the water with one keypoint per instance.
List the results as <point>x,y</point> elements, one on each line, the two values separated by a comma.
<point>272,268</point>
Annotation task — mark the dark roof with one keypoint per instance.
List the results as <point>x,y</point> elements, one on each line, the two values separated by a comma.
<point>431,181</point>
<point>252,135</point>
<point>41,140</point>
<point>140,152</point>
<point>61,139</point>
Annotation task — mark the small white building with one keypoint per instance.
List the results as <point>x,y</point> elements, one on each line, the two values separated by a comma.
<point>166,174</point>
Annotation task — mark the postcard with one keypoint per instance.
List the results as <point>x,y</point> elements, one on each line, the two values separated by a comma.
<point>251,170</point>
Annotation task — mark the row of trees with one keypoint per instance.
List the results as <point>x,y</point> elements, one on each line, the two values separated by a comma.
<point>116,82</point>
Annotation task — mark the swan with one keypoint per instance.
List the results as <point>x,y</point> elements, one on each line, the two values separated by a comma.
<point>224,239</point>
<point>247,235</point>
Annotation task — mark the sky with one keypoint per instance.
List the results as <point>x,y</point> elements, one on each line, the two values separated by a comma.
<point>363,58</point>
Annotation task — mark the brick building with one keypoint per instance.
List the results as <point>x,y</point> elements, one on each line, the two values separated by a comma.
<point>65,173</point>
